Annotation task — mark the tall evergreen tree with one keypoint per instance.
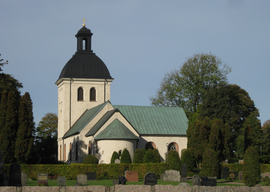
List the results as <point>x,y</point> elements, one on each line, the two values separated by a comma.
<point>3,110</point>
<point>10,129</point>
<point>24,140</point>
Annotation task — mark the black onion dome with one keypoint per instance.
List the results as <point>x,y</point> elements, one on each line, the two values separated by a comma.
<point>84,63</point>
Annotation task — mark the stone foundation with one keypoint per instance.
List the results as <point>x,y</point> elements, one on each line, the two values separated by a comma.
<point>135,188</point>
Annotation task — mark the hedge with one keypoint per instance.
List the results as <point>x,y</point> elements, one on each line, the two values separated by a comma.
<point>103,171</point>
<point>239,167</point>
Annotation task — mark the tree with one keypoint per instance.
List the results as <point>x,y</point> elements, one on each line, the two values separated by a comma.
<point>2,63</point>
<point>232,105</point>
<point>187,86</point>
<point>114,157</point>
<point>148,157</point>
<point>9,131</point>
<point>90,159</point>
<point>188,159</point>
<point>174,162</point>
<point>210,164</point>
<point>125,157</point>
<point>47,127</point>
<point>138,156</point>
<point>25,138</point>
<point>266,137</point>
<point>156,156</point>
<point>251,167</point>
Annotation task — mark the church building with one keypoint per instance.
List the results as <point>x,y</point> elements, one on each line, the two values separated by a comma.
<point>88,123</point>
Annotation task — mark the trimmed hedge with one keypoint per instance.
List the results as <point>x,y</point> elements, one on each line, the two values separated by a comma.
<point>103,171</point>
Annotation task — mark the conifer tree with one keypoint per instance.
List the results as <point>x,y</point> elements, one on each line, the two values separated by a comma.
<point>3,110</point>
<point>125,157</point>
<point>114,157</point>
<point>10,129</point>
<point>24,140</point>
<point>148,157</point>
<point>156,156</point>
<point>174,161</point>
<point>210,164</point>
<point>188,159</point>
<point>138,156</point>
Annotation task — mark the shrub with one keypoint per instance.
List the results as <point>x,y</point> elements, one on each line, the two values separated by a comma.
<point>114,156</point>
<point>148,157</point>
<point>90,159</point>
<point>210,164</point>
<point>174,162</point>
<point>143,151</point>
<point>125,157</point>
<point>251,168</point>
<point>156,156</point>
<point>138,156</point>
<point>188,159</point>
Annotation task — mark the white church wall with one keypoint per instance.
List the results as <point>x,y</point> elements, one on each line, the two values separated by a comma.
<point>107,147</point>
<point>161,143</point>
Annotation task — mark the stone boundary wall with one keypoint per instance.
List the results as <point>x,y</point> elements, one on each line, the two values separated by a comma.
<point>135,188</point>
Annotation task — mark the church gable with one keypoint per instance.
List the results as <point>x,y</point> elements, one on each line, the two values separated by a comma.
<point>116,130</point>
<point>84,120</point>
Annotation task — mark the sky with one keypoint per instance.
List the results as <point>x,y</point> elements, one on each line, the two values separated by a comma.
<point>139,41</point>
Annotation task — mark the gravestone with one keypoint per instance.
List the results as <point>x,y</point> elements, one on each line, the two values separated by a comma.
<point>183,177</point>
<point>122,180</point>
<point>240,175</point>
<point>117,161</point>
<point>170,175</point>
<point>196,180</point>
<point>265,174</point>
<point>241,161</point>
<point>150,179</point>
<point>61,181</point>
<point>82,179</point>
<point>225,172</point>
<point>233,175</point>
<point>91,176</point>
<point>131,176</point>
<point>115,182</point>
<point>1,168</point>
<point>226,161</point>
<point>15,175</point>
<point>209,181</point>
<point>24,178</point>
<point>43,177</point>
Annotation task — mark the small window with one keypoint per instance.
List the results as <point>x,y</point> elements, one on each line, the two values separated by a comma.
<point>84,44</point>
<point>173,147</point>
<point>93,94</point>
<point>119,153</point>
<point>80,94</point>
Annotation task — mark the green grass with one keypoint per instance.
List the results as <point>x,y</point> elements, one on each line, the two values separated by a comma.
<point>109,183</point>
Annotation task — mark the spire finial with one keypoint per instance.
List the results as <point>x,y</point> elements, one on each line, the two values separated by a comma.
<point>83,22</point>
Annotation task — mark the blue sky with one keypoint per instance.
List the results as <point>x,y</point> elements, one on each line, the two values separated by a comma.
<point>139,41</point>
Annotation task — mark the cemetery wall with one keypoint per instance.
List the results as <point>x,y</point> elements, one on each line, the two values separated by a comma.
<point>144,188</point>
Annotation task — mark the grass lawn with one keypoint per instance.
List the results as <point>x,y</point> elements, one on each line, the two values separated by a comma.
<point>109,183</point>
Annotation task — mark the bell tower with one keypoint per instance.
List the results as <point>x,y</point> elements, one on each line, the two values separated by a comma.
<point>83,83</point>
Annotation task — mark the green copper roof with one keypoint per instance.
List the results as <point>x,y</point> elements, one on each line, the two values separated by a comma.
<point>151,120</point>
<point>100,123</point>
<point>116,130</point>
<point>87,116</point>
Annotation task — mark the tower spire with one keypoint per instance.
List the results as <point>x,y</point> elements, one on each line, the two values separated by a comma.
<point>83,22</point>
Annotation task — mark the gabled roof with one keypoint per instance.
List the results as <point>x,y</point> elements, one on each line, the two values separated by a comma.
<point>87,116</point>
<point>99,124</point>
<point>150,120</point>
<point>116,130</point>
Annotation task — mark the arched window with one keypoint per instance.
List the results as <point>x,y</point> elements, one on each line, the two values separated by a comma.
<point>60,153</point>
<point>92,94</point>
<point>76,154</point>
<point>119,153</point>
<point>80,94</point>
<point>150,145</point>
<point>65,153</point>
<point>89,148</point>
<point>173,147</point>
<point>70,152</point>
